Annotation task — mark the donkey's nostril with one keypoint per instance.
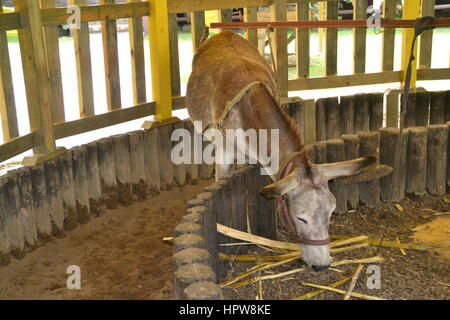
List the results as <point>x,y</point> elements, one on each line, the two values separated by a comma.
<point>319,268</point>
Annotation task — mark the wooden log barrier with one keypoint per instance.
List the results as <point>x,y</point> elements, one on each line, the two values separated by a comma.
<point>185,241</point>
<point>369,191</point>
<point>422,108</point>
<point>437,107</point>
<point>410,113</point>
<point>296,110</point>
<point>203,290</point>
<point>13,221</point>
<point>416,163</point>
<point>376,111</point>
<point>5,245</point>
<point>64,163</point>
<point>188,228</point>
<point>250,198</point>
<point>139,186</point>
<point>80,180</point>
<point>335,153</point>
<point>437,159</point>
<point>267,218</point>
<point>391,144</point>
<point>321,129</point>
<point>152,175</point>
<point>54,197</point>
<point>347,113</point>
<point>123,171</point>
<point>190,274</point>
<point>26,212</point>
<point>165,163</point>
<point>448,157</point>
<point>190,255</point>
<point>39,202</point>
<point>194,214</point>
<point>361,117</point>
<point>191,169</point>
<point>332,118</point>
<point>319,150</point>
<point>107,166</point>
<point>447,106</point>
<point>351,142</point>
<point>96,205</point>
<point>179,169</point>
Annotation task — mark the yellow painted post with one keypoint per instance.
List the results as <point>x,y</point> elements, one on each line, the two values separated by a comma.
<point>411,10</point>
<point>158,35</point>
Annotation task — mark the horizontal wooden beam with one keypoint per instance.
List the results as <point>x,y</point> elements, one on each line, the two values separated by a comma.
<point>10,21</point>
<point>433,74</point>
<point>17,146</point>
<point>177,6</point>
<point>344,81</point>
<point>71,128</point>
<point>113,11</point>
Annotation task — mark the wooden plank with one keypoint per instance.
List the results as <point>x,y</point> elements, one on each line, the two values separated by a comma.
<point>51,39</point>
<point>111,118</point>
<point>302,43</point>
<point>331,40</point>
<point>411,10</point>
<point>10,21</point>
<point>388,44</point>
<point>111,60</point>
<point>177,6</point>
<point>251,15</point>
<point>35,68</point>
<point>359,38</point>
<point>158,30</point>
<point>197,28</point>
<point>174,55</point>
<point>426,38</point>
<point>392,108</point>
<point>344,81</point>
<point>433,74</point>
<point>17,146</point>
<point>278,12</point>
<point>105,11</point>
<point>8,114</point>
<point>310,121</point>
<point>84,67</point>
<point>136,32</point>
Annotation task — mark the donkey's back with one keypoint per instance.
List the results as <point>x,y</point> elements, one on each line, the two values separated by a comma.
<point>222,67</point>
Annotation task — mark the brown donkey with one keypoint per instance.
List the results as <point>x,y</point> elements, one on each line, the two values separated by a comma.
<point>233,87</point>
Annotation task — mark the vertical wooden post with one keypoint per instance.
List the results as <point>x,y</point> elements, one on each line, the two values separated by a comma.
<point>7,103</point>
<point>392,108</point>
<point>111,59</point>
<point>174,56</point>
<point>347,114</point>
<point>322,16</point>
<point>332,122</point>
<point>84,67</point>
<point>331,36</point>
<point>51,40</point>
<point>335,153</point>
<point>437,159</point>
<point>197,28</point>
<point>35,72</point>
<point>278,12</point>
<point>426,39</point>
<point>251,15</point>
<point>351,142</point>
<point>136,32</point>
<point>411,10</point>
<point>158,30</point>
<point>359,38</point>
<point>310,121</point>
<point>387,58</point>
<point>302,40</point>
<point>369,191</point>
<point>416,162</point>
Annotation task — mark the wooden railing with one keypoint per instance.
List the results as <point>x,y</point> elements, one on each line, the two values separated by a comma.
<point>37,21</point>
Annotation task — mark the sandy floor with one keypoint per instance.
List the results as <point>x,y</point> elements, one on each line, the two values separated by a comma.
<point>120,254</point>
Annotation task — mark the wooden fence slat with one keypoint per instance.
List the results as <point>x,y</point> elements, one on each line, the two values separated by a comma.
<point>165,163</point>
<point>54,198</point>
<point>422,108</point>
<point>369,145</point>
<point>296,111</point>
<point>331,40</point>
<point>40,203</point>
<point>106,163</point>
<point>81,43</point>
<point>410,113</point>
<point>332,119</point>
<point>152,175</point>
<point>352,152</point>
<point>197,28</point>
<point>347,114</point>
<point>136,32</point>
<point>361,117</point>
<point>251,15</point>
<point>302,40</point>
<point>111,60</point>
<point>80,180</point>
<point>359,37</point>
<point>93,175</point>
<point>5,244</point>
<point>65,167</point>
<point>321,130</point>
<point>137,164</point>
<point>278,12</point>
<point>174,56</point>
<point>376,111</point>
<point>123,171</point>
<point>51,38</point>
<point>416,162</point>
<point>437,159</point>
<point>388,44</point>
<point>179,169</point>
<point>448,155</point>
<point>310,121</point>
<point>335,153</point>
<point>437,107</point>
<point>8,114</point>
<point>26,212</point>
<point>13,219</point>
<point>447,106</point>
<point>426,38</point>
<point>267,219</point>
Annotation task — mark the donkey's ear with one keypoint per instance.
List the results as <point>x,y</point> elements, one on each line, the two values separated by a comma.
<point>345,168</point>
<point>279,188</point>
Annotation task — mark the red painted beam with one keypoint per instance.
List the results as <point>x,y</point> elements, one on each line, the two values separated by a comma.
<point>385,23</point>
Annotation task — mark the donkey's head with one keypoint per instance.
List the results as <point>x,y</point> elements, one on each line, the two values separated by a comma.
<point>311,204</point>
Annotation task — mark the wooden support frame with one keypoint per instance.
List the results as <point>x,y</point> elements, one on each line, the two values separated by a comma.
<point>411,10</point>
<point>388,44</point>
<point>174,56</point>
<point>426,38</point>
<point>359,38</point>
<point>331,40</point>
<point>279,45</point>
<point>251,15</point>
<point>302,41</point>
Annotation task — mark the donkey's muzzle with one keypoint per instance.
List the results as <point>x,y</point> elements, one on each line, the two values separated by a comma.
<point>317,268</point>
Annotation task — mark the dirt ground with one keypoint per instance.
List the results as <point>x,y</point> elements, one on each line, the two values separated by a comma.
<point>121,255</point>
<point>418,275</point>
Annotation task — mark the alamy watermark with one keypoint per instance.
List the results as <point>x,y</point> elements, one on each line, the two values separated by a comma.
<point>246,147</point>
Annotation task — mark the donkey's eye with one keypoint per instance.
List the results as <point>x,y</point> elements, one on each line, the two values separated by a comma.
<point>302,220</point>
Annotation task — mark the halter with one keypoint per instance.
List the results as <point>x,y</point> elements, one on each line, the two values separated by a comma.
<point>283,171</point>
